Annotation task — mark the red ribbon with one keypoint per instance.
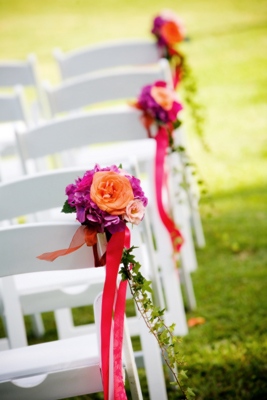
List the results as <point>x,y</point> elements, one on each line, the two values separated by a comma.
<point>113,259</point>
<point>162,145</point>
<point>178,67</point>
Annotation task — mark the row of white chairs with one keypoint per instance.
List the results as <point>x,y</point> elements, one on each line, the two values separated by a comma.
<point>123,124</point>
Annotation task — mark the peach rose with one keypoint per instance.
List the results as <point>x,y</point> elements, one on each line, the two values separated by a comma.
<point>163,96</point>
<point>169,15</point>
<point>171,33</point>
<point>135,212</point>
<point>111,192</point>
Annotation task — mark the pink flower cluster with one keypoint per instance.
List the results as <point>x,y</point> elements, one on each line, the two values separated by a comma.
<point>159,102</point>
<point>168,28</point>
<point>107,198</point>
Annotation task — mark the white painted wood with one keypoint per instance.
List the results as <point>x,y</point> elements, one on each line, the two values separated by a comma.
<point>118,53</point>
<point>101,86</point>
<point>13,106</point>
<point>106,55</point>
<point>12,316</point>
<point>59,134</point>
<point>50,291</point>
<point>55,368</point>
<point>35,239</point>
<point>132,373</point>
<point>24,73</point>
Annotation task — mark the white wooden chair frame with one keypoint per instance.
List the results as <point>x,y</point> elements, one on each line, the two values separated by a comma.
<point>13,108</point>
<point>116,54</point>
<point>58,369</point>
<point>124,124</point>
<point>24,73</point>
<point>49,292</point>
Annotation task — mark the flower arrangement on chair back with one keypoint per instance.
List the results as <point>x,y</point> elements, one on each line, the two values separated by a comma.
<point>170,32</point>
<point>104,201</point>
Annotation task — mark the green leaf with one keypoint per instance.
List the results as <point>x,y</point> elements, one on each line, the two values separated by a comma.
<point>173,383</point>
<point>67,209</point>
<point>190,392</point>
<point>183,373</point>
<point>177,123</point>
<point>120,166</point>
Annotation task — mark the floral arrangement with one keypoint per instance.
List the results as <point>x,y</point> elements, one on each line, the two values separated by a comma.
<point>105,200</point>
<point>160,105</point>
<point>170,32</point>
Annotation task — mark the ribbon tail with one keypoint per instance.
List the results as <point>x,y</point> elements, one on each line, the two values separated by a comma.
<point>119,389</point>
<point>77,241</point>
<point>113,259</point>
<point>176,76</point>
<point>162,144</point>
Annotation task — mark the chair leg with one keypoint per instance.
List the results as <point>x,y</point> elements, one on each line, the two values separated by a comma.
<point>189,290</point>
<point>197,224</point>
<point>131,369</point>
<point>153,364</point>
<point>64,323</point>
<point>37,325</point>
<point>12,314</point>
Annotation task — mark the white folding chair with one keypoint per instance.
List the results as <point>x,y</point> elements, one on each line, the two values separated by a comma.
<point>60,369</point>
<point>24,73</point>
<point>111,85</point>
<point>116,54</point>
<point>102,86</point>
<point>111,54</point>
<point>13,108</point>
<point>51,292</point>
<point>123,124</point>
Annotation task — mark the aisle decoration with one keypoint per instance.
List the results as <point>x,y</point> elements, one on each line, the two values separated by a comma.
<point>105,200</point>
<point>160,107</point>
<point>170,32</point>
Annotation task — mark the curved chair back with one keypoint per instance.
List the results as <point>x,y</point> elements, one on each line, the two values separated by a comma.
<point>106,55</point>
<point>103,86</point>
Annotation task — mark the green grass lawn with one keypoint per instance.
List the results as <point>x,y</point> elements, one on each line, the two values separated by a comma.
<point>227,356</point>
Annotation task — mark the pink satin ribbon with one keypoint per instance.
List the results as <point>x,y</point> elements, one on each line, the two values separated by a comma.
<point>114,254</point>
<point>115,246</point>
<point>162,145</point>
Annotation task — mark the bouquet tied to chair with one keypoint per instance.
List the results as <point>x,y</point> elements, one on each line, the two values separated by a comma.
<point>105,200</point>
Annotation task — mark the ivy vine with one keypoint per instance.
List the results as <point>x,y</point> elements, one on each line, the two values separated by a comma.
<point>154,319</point>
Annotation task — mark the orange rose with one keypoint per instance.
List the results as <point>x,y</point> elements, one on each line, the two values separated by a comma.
<point>111,192</point>
<point>171,33</point>
<point>163,96</point>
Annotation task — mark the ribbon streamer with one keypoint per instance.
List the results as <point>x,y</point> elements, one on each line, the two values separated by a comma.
<point>162,145</point>
<point>112,258</point>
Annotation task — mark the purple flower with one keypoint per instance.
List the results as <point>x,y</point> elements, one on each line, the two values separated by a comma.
<point>137,190</point>
<point>166,109</point>
<point>87,210</point>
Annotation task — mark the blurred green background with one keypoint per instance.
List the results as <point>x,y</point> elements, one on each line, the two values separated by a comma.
<point>227,356</point>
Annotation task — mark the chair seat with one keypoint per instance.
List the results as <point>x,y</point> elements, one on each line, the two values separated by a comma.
<point>31,283</point>
<point>49,357</point>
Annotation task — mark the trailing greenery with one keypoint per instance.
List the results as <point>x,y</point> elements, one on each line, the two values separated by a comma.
<point>154,318</point>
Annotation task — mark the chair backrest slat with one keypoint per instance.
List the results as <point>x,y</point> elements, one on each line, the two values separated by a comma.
<point>103,86</point>
<point>21,244</point>
<point>10,108</point>
<point>120,124</point>
<point>106,55</point>
<point>14,73</point>
<point>31,194</point>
